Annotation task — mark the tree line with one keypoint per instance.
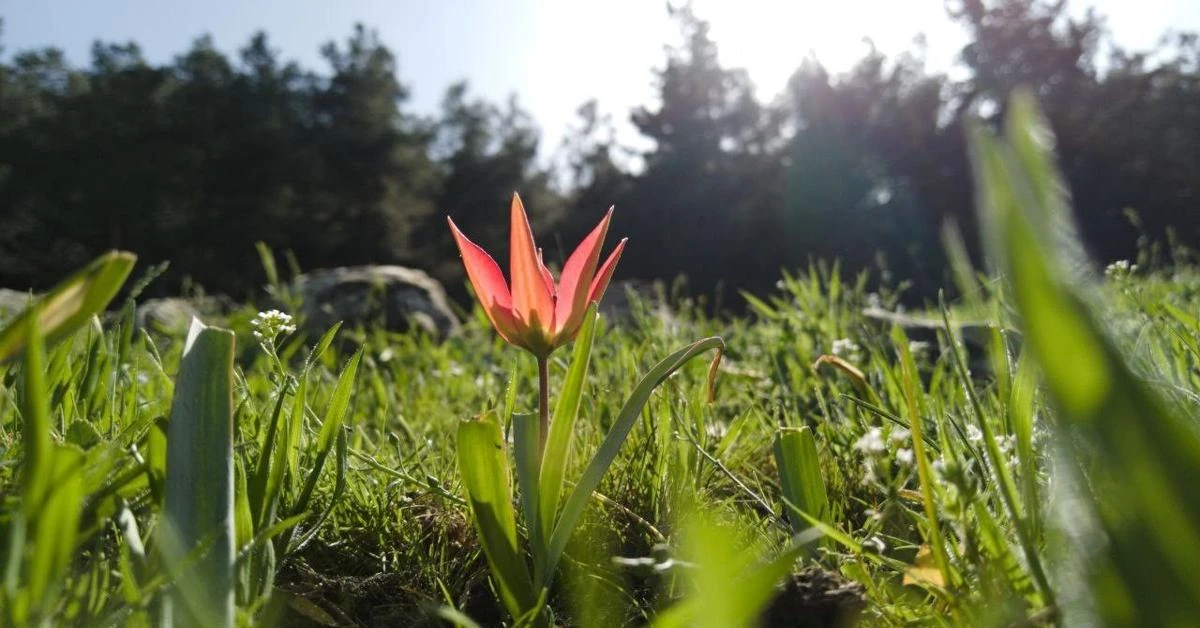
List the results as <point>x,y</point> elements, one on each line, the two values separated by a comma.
<point>195,160</point>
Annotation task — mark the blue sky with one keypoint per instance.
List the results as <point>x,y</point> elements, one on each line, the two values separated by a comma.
<point>525,46</point>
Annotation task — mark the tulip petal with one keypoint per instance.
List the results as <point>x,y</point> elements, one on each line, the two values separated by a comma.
<point>488,282</point>
<point>532,304</point>
<point>575,283</point>
<point>600,283</point>
<point>546,276</point>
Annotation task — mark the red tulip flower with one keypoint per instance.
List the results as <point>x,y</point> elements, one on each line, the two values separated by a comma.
<point>538,315</point>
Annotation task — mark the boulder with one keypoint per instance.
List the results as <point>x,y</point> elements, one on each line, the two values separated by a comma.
<point>12,302</point>
<point>625,297</point>
<point>171,315</point>
<point>398,298</point>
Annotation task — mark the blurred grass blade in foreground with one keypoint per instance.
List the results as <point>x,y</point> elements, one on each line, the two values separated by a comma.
<point>199,541</point>
<point>43,531</point>
<point>1135,514</point>
<point>69,304</point>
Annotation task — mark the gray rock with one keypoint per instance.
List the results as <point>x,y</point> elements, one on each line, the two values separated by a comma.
<point>12,302</point>
<point>168,316</point>
<point>396,297</point>
<point>976,335</point>
<point>627,297</point>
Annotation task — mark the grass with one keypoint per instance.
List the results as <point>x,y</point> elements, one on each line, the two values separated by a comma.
<point>1017,482</point>
<point>397,545</point>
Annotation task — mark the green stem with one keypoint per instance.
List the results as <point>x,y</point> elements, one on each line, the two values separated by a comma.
<point>543,402</point>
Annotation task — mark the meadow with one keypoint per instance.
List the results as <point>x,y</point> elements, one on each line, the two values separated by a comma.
<point>1025,455</point>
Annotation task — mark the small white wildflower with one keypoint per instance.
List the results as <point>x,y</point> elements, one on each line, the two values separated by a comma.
<point>871,442</point>
<point>1120,269</point>
<point>779,285</point>
<point>844,348</point>
<point>874,301</point>
<point>270,324</point>
<point>899,435</point>
<point>904,457</point>
<point>973,434</point>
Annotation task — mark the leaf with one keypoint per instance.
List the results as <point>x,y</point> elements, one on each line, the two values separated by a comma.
<point>1139,455</point>
<point>70,304</point>
<point>800,476</point>
<point>199,507</point>
<point>484,468</point>
<point>526,449</point>
<point>607,453</point>
<point>566,410</point>
<point>335,417</point>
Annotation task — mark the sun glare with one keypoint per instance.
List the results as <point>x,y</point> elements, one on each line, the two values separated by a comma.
<point>769,38</point>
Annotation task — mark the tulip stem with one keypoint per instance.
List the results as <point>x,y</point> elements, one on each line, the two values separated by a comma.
<point>543,401</point>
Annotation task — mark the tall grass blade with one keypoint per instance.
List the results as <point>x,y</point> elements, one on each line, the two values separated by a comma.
<point>1140,457</point>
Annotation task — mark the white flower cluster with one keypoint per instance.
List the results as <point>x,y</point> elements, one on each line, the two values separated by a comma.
<point>877,449</point>
<point>846,348</point>
<point>267,325</point>
<point>871,443</point>
<point>1120,269</point>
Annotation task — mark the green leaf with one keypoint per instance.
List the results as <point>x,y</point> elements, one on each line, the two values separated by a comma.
<point>1139,455</point>
<point>607,453</point>
<point>484,468</point>
<point>800,476</point>
<point>562,429</point>
<point>526,450</point>
<point>335,417</point>
<point>199,509</point>
<point>70,304</point>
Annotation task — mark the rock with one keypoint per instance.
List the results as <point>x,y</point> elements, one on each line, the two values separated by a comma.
<point>173,315</point>
<point>627,297</point>
<point>398,298</point>
<point>12,302</point>
<point>976,334</point>
<point>167,316</point>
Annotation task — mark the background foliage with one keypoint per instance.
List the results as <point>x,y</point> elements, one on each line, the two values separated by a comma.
<point>195,160</point>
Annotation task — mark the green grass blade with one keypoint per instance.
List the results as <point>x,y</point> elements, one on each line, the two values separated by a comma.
<point>199,507</point>
<point>562,429</point>
<point>1140,457</point>
<point>800,476</point>
<point>70,304</point>
<point>335,417</point>
<point>604,456</point>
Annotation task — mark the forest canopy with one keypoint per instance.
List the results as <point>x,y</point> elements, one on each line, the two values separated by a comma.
<point>195,160</point>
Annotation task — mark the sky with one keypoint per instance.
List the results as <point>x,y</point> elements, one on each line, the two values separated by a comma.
<point>527,46</point>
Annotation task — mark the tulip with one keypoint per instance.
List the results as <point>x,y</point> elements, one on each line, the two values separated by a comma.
<point>538,315</point>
